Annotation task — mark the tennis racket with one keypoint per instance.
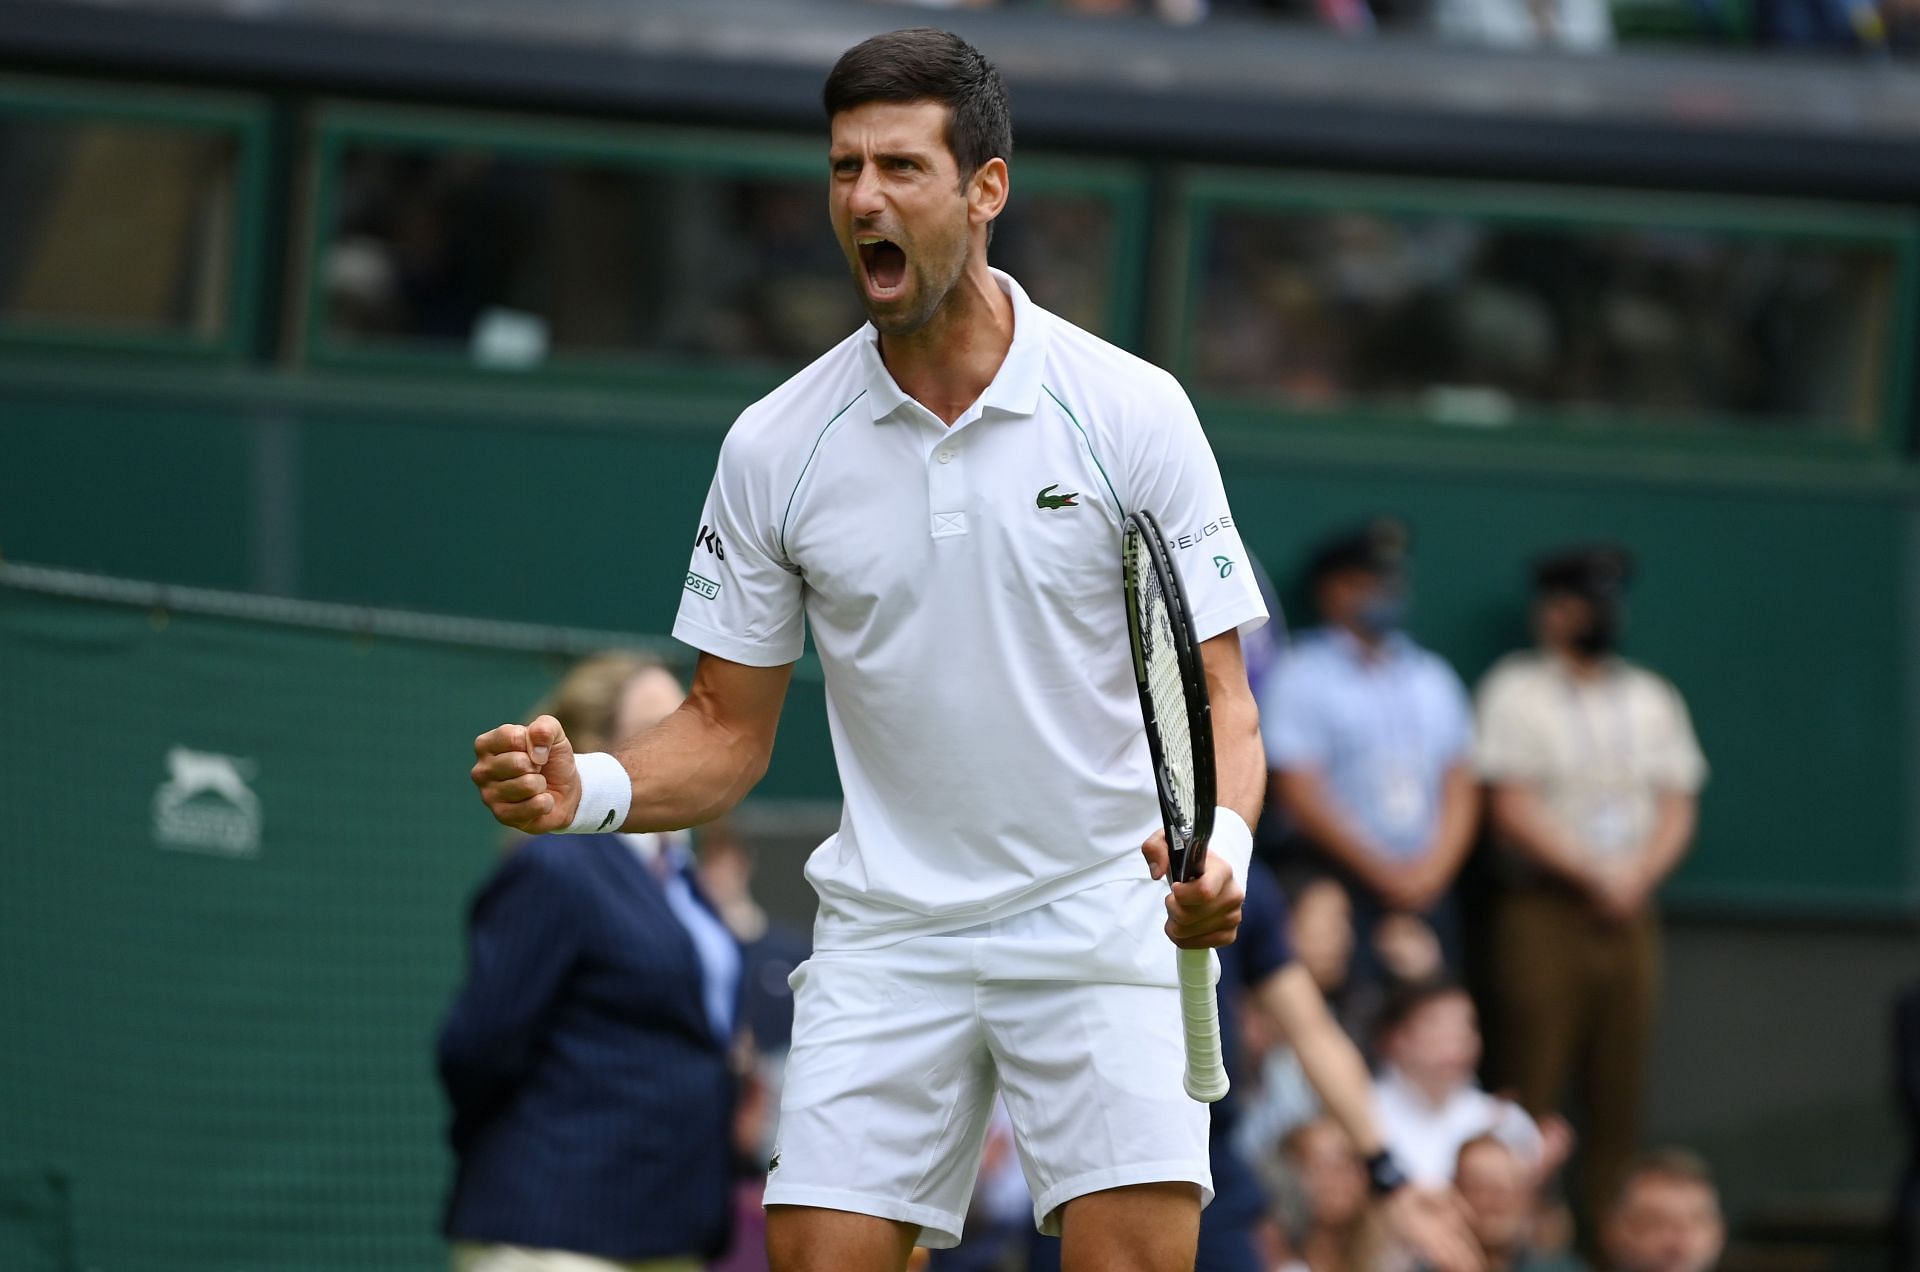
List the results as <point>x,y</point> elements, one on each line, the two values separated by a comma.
<point>1173,699</point>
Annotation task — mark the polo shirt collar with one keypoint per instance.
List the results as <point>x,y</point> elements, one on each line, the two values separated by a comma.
<point>1016,386</point>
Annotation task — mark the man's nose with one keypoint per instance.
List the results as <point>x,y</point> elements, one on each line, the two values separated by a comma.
<point>865,198</point>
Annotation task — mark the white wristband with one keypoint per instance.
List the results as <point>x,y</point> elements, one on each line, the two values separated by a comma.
<point>1232,840</point>
<point>606,793</point>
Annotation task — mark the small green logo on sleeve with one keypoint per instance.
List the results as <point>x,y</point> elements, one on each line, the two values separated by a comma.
<point>1224,565</point>
<point>700,585</point>
<point>1047,499</point>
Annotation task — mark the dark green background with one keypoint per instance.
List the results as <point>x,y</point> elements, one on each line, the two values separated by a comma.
<point>1780,596</point>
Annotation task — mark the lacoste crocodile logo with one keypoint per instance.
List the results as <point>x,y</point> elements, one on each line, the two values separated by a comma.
<point>1047,499</point>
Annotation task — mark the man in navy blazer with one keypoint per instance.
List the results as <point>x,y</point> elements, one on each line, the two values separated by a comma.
<point>586,1055</point>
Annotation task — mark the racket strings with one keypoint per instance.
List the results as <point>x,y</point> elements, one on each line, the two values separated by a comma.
<point>1167,689</point>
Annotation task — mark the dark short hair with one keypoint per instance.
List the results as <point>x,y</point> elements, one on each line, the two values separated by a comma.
<point>1597,571</point>
<point>921,64</point>
<point>1379,547</point>
<point>1674,1165</point>
<point>1405,1001</point>
<point>1296,879</point>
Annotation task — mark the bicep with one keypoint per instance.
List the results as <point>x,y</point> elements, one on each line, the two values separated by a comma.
<point>742,699</point>
<point>1225,667</point>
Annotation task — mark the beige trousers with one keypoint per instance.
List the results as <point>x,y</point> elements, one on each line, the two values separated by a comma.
<point>471,1256</point>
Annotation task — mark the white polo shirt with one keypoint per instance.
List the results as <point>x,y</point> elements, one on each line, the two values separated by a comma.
<point>963,587</point>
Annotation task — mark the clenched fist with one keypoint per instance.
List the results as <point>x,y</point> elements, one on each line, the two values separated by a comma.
<point>1202,914</point>
<point>527,777</point>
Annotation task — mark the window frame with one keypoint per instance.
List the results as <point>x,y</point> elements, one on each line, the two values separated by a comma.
<point>248,121</point>
<point>1201,192</point>
<point>338,126</point>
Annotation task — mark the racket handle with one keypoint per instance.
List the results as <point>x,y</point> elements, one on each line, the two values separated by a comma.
<point>1200,1012</point>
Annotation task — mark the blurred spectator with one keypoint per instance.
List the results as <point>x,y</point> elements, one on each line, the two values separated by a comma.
<point>1666,1218</point>
<point>1502,1197</point>
<point>1324,1204</point>
<point>1428,1100</point>
<point>1261,965</point>
<point>1260,975</point>
<point>1822,24</point>
<point>1906,1066</point>
<point>1368,737</point>
<point>591,1036</point>
<point>1593,771</point>
<point>1903,25</point>
<point>772,949</point>
<point>1460,318</point>
<point>1261,952</point>
<point>1166,10</point>
<point>1279,1097</point>
<point>1582,25</point>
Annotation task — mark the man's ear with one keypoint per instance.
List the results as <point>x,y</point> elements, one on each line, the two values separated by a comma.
<point>987,191</point>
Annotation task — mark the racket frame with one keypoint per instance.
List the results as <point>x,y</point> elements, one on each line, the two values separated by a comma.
<point>1186,847</point>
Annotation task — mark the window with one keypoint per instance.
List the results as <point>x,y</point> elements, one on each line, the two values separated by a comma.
<point>1500,306</point>
<point>513,249</point>
<point>120,219</point>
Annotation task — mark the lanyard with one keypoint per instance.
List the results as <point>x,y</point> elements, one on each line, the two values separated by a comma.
<point>1588,729</point>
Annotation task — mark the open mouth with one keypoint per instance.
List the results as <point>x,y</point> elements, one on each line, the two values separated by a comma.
<point>885,265</point>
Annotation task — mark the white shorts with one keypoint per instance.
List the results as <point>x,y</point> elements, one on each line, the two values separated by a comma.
<point>1070,1010</point>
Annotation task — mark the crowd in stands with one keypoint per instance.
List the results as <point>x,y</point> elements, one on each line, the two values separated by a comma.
<point>1579,771</point>
<point>1462,317</point>
<point>1870,26</point>
<point>1577,768</point>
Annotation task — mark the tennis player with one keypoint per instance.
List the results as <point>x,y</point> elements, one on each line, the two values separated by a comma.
<point>940,498</point>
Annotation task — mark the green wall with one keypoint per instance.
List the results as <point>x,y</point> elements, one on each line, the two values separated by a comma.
<point>1778,593</point>
<point>228,1058</point>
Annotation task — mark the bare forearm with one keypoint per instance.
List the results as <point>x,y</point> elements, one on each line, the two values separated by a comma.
<point>1672,835</point>
<point>687,770</point>
<point>1305,796</point>
<point>1239,761</point>
<point>1332,1063</point>
<point>1523,820</point>
<point>701,760</point>
<point>1459,815</point>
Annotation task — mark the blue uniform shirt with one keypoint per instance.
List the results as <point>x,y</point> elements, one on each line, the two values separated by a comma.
<point>1382,730</point>
<point>668,857</point>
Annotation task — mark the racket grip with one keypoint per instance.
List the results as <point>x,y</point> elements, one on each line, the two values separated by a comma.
<point>1200,1013</point>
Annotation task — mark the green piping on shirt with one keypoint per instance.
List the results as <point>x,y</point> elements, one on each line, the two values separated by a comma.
<point>809,464</point>
<point>1093,454</point>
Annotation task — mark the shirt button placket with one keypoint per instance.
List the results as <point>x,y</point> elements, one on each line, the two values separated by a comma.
<point>946,489</point>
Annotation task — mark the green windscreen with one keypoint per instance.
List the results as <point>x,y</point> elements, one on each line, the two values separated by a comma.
<point>237,859</point>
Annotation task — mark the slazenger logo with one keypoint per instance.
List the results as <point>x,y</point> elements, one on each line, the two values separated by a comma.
<point>701,585</point>
<point>206,805</point>
<point>1204,532</point>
